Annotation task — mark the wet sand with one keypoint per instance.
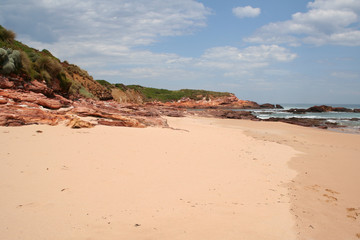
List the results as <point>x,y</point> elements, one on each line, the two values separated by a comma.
<point>203,179</point>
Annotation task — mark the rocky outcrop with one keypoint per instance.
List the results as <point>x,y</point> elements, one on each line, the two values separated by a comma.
<point>320,109</point>
<point>17,115</point>
<point>78,123</point>
<point>84,84</point>
<point>127,96</point>
<point>93,87</point>
<point>33,102</point>
<point>222,113</point>
<point>305,122</point>
<point>24,103</point>
<point>225,102</point>
<point>271,106</point>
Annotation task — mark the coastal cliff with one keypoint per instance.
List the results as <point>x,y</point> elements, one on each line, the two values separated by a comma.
<point>37,88</point>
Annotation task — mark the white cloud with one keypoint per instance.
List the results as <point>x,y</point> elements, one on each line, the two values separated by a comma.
<point>345,75</point>
<point>244,12</point>
<point>253,54</point>
<point>126,22</point>
<point>236,62</point>
<point>326,22</point>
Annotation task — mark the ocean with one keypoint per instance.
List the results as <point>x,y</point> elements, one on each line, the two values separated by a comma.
<point>348,120</point>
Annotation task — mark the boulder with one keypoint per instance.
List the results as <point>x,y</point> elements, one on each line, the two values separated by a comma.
<point>341,109</point>
<point>322,108</point>
<point>122,123</point>
<point>5,83</point>
<point>78,123</point>
<point>267,105</point>
<point>297,110</point>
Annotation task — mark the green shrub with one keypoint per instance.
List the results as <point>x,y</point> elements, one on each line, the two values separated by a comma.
<point>33,56</point>
<point>45,76</point>
<point>105,84</point>
<point>85,93</point>
<point>7,35</point>
<point>3,55</point>
<point>10,60</point>
<point>65,83</point>
<point>25,63</point>
<point>52,66</point>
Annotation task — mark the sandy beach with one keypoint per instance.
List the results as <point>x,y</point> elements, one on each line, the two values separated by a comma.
<point>200,179</point>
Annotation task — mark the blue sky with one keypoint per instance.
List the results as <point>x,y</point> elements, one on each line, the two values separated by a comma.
<point>277,51</point>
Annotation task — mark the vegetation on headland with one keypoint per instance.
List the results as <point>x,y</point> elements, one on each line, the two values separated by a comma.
<point>164,95</point>
<point>18,58</point>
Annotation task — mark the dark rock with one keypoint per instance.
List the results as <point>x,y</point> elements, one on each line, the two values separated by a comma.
<point>305,122</point>
<point>322,108</point>
<point>227,114</point>
<point>341,109</point>
<point>297,110</point>
<point>267,105</point>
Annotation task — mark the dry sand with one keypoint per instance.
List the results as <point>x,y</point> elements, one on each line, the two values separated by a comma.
<point>204,179</point>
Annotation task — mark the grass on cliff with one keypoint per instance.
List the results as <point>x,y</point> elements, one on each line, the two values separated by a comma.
<point>164,95</point>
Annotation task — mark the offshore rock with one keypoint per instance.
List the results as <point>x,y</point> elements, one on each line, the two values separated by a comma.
<point>305,122</point>
<point>322,108</point>
<point>220,113</point>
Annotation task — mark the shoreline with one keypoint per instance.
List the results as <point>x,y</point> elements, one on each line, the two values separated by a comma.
<point>209,178</point>
<point>325,199</point>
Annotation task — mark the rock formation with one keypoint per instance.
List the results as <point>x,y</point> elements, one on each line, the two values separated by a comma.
<point>23,103</point>
<point>322,108</point>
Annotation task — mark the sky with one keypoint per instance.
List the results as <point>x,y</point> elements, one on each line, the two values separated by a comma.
<point>277,51</point>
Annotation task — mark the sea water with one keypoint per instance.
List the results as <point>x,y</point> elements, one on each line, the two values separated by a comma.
<point>344,119</point>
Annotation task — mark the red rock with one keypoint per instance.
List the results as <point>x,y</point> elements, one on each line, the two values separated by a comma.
<point>78,123</point>
<point>65,102</point>
<point>3,101</point>
<point>122,123</point>
<point>217,103</point>
<point>49,103</point>
<point>5,83</point>
<point>37,98</point>
<point>11,115</point>
<point>39,87</point>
